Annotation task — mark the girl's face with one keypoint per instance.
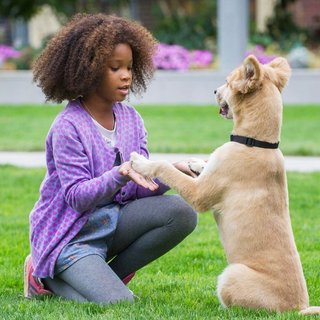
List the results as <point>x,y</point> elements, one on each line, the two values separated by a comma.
<point>117,78</point>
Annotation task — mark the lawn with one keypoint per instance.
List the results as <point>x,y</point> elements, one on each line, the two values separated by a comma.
<point>180,285</point>
<point>172,129</point>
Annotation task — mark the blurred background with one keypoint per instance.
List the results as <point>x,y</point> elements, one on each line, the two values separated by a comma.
<point>194,35</point>
<point>186,29</point>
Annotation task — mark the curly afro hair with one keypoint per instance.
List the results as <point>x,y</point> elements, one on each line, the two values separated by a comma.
<point>72,63</point>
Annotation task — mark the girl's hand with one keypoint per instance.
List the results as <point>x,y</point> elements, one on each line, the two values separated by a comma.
<point>184,166</point>
<point>146,182</point>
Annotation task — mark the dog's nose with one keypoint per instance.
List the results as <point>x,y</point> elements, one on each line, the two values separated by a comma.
<point>215,91</point>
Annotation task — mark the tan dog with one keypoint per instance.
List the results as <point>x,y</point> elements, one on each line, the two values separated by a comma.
<point>245,183</point>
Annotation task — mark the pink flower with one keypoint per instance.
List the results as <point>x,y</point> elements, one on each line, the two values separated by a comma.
<point>7,52</point>
<point>201,58</point>
<point>175,57</point>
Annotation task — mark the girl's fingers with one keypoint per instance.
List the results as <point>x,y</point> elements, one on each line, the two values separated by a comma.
<point>143,181</point>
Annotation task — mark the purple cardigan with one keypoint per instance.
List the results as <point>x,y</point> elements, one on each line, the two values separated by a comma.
<point>80,175</point>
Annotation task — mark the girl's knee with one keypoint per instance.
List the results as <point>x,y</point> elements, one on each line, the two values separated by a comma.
<point>184,215</point>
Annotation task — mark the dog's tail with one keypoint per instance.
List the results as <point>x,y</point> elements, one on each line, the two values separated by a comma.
<point>310,311</point>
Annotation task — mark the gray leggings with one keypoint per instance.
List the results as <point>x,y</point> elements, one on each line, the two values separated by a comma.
<point>147,229</point>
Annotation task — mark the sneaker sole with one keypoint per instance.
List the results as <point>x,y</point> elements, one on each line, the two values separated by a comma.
<point>26,278</point>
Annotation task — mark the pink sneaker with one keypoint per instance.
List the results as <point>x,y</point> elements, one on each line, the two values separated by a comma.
<point>33,287</point>
<point>128,278</point>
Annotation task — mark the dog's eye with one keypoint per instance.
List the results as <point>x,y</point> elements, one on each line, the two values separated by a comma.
<point>227,83</point>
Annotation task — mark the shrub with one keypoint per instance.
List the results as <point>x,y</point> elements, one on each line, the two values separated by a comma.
<point>189,23</point>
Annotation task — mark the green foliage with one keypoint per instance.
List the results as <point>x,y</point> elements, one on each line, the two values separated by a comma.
<point>281,29</point>
<point>26,9</point>
<point>19,8</point>
<point>191,24</point>
<point>263,39</point>
<point>179,285</point>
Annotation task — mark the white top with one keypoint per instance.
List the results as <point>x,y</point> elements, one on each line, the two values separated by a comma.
<point>108,135</point>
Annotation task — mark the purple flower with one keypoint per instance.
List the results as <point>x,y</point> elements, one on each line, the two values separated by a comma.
<point>259,53</point>
<point>171,57</point>
<point>175,57</point>
<point>7,52</point>
<point>201,58</point>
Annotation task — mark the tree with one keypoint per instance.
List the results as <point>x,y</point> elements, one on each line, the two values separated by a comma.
<point>25,9</point>
<point>282,28</point>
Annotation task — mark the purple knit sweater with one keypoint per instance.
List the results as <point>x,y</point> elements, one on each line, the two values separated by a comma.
<point>80,174</point>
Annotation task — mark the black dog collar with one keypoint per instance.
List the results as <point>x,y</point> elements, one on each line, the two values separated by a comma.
<point>253,142</point>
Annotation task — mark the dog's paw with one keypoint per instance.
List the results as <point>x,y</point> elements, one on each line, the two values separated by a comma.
<point>141,164</point>
<point>196,165</point>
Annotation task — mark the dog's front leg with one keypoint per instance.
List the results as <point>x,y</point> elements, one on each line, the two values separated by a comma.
<point>196,165</point>
<point>145,166</point>
<point>188,187</point>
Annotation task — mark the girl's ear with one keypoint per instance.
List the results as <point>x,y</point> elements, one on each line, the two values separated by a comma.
<point>281,72</point>
<point>251,75</point>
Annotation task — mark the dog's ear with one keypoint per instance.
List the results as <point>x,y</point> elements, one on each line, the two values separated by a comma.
<point>251,75</point>
<point>281,72</point>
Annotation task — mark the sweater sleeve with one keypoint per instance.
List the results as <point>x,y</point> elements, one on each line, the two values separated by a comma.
<point>82,191</point>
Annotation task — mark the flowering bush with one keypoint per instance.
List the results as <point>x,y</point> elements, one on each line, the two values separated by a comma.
<point>259,52</point>
<point>12,59</point>
<point>25,61</point>
<point>7,52</point>
<point>200,58</point>
<point>175,57</point>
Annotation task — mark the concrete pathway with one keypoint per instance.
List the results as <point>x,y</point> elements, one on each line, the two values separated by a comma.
<point>37,159</point>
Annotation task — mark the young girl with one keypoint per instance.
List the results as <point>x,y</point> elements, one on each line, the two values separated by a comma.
<point>97,221</point>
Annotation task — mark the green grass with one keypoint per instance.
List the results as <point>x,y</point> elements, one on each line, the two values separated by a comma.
<point>172,129</point>
<point>24,128</point>
<point>180,285</point>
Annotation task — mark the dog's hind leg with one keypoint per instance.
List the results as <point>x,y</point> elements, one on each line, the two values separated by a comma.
<point>240,285</point>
